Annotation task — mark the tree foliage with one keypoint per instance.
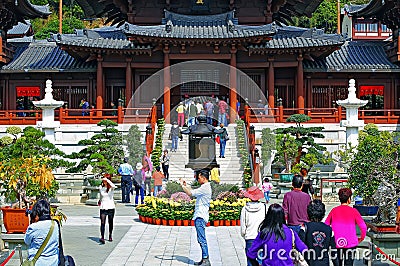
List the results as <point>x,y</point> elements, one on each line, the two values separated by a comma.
<point>325,16</point>
<point>374,145</point>
<point>302,139</point>
<point>134,144</point>
<point>103,151</point>
<point>268,144</point>
<point>72,19</point>
<point>27,160</point>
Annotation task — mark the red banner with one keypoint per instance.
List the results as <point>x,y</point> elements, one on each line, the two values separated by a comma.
<point>371,90</point>
<point>28,91</point>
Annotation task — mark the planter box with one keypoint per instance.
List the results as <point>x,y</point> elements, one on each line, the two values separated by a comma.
<point>366,210</point>
<point>15,220</point>
<point>381,228</point>
<point>286,178</point>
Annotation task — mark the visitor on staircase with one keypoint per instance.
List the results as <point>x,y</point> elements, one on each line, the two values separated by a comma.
<point>164,160</point>
<point>223,137</point>
<point>174,135</point>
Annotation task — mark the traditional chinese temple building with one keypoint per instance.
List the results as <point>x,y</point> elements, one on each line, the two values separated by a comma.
<point>302,69</point>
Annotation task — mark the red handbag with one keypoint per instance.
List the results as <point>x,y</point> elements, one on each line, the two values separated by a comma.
<point>217,139</point>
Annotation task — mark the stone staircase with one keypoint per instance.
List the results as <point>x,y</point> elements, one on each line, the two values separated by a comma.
<point>230,168</point>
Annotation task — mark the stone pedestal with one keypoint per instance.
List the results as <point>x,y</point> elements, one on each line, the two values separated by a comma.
<point>388,242</point>
<point>11,241</point>
<point>48,104</point>
<point>352,124</point>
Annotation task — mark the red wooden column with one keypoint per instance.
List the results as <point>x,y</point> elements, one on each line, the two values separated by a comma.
<point>300,84</point>
<point>233,85</point>
<point>128,82</point>
<point>271,83</point>
<point>100,86</point>
<point>167,85</point>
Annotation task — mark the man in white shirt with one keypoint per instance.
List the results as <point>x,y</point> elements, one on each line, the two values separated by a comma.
<point>201,216</point>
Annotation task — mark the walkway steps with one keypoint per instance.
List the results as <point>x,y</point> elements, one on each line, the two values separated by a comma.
<point>230,168</point>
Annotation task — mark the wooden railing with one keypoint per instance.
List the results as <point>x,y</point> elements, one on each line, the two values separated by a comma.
<point>147,115</point>
<point>20,117</point>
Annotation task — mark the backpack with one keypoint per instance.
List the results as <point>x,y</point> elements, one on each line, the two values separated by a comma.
<point>225,135</point>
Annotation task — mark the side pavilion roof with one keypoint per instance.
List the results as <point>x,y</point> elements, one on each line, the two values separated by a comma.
<point>360,56</point>
<point>45,56</point>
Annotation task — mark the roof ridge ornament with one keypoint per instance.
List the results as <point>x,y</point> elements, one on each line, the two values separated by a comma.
<point>168,26</point>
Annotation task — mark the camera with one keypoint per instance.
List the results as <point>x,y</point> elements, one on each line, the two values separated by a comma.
<point>28,212</point>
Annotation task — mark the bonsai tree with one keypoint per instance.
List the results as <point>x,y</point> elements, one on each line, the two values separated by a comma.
<point>308,152</point>
<point>366,172</point>
<point>134,144</point>
<point>103,151</point>
<point>26,165</point>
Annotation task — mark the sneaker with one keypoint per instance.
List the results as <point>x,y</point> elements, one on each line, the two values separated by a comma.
<point>204,262</point>
<point>102,241</point>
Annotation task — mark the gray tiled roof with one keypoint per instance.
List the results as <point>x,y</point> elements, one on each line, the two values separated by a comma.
<point>359,56</point>
<point>42,56</point>
<point>103,43</point>
<point>20,29</point>
<point>199,20</point>
<point>289,37</point>
<point>199,32</point>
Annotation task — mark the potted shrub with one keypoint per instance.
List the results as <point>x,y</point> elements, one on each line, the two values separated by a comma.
<point>371,165</point>
<point>26,163</point>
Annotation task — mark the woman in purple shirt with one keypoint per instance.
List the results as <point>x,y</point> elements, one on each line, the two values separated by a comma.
<point>273,243</point>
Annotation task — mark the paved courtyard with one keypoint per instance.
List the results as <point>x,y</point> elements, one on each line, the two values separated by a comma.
<point>138,244</point>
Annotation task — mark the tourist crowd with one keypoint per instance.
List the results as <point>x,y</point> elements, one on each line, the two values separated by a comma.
<point>293,233</point>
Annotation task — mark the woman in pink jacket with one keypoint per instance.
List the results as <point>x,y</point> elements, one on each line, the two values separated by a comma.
<point>343,220</point>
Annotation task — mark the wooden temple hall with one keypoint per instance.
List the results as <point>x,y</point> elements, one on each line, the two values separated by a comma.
<point>302,70</point>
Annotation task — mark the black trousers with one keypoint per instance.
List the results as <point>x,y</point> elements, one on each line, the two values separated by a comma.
<point>165,170</point>
<point>103,215</point>
<point>346,256</point>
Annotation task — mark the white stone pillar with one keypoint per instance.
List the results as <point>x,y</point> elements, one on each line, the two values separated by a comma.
<point>48,104</point>
<point>352,123</point>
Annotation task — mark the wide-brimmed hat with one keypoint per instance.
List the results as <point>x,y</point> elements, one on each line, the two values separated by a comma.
<point>254,193</point>
<point>139,166</point>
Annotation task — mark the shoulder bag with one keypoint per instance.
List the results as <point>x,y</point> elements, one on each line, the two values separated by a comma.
<point>298,258</point>
<point>63,260</point>
<point>33,262</point>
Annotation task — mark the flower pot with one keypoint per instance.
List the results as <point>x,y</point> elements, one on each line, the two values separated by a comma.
<point>178,222</point>
<point>365,210</point>
<point>216,223</point>
<point>171,222</point>
<point>185,222</point>
<point>149,220</point>
<point>233,222</point>
<point>157,221</point>
<point>238,222</point>
<point>227,222</point>
<point>192,222</point>
<point>15,220</point>
<point>208,224</point>
<point>141,218</point>
<point>164,222</point>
